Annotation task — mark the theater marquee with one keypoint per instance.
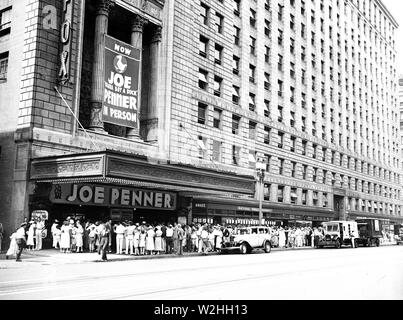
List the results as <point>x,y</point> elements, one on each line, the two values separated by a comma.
<point>111,196</point>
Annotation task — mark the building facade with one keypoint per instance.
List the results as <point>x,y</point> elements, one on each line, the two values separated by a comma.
<point>308,87</point>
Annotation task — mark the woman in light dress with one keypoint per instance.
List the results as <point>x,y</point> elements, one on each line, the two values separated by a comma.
<point>158,240</point>
<point>79,236</point>
<point>12,250</point>
<point>142,242</point>
<point>31,236</point>
<point>150,240</point>
<point>65,238</point>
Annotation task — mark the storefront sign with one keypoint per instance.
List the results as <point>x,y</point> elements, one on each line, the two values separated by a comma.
<point>43,214</point>
<point>112,196</point>
<point>66,32</point>
<point>122,66</point>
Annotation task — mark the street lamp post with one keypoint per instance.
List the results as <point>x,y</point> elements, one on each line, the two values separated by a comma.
<point>260,172</point>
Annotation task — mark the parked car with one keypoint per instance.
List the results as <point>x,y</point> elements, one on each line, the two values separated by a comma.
<point>339,233</point>
<point>247,239</point>
<point>369,231</point>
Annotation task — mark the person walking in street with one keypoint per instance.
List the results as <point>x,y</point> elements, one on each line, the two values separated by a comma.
<point>108,226</point>
<point>104,241</point>
<point>31,235</point>
<point>20,240</point>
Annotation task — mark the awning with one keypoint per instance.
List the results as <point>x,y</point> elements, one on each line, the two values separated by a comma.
<point>202,77</point>
<point>293,195</point>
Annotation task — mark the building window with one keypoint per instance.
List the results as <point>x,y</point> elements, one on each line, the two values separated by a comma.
<point>235,94</point>
<point>5,21</point>
<point>237,33</point>
<point>280,63</point>
<point>266,110</point>
<point>203,74</point>
<point>218,50</point>
<point>252,103</point>
<point>235,65</point>
<point>280,88</point>
<point>203,46</point>
<point>252,18</point>
<point>267,28</point>
<point>293,195</point>
<point>252,159</point>
<point>217,86</point>
<point>252,45</point>
<point>216,152</point>
<point>3,66</point>
<point>252,130</point>
<point>252,71</point>
<point>266,135</point>
<point>280,139</point>
<point>219,22</point>
<point>280,194</point>
<point>202,147</point>
<point>217,118</point>
<point>235,124</point>
<point>204,13</point>
<point>235,155</point>
<point>237,7</point>
<point>201,113</point>
<point>293,169</point>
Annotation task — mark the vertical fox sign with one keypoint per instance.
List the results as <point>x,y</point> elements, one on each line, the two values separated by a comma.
<point>122,65</point>
<point>66,31</point>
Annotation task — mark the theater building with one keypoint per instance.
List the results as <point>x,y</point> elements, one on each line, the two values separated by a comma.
<point>159,110</point>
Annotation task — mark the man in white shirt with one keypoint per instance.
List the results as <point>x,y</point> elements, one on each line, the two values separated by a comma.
<point>120,232</point>
<point>54,232</point>
<point>40,226</point>
<point>129,237</point>
<point>169,239</point>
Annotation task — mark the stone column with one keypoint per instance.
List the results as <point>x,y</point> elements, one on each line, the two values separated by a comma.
<point>151,117</point>
<point>138,23</point>
<point>273,192</point>
<point>97,89</point>
<point>309,198</point>
<point>287,194</point>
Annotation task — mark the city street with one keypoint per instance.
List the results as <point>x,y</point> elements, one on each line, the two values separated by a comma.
<point>362,273</point>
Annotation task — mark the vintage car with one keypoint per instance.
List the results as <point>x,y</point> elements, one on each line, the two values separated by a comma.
<point>339,233</point>
<point>247,239</point>
<point>369,231</point>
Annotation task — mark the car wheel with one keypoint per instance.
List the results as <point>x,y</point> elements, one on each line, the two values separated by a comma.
<point>338,244</point>
<point>244,248</point>
<point>267,247</point>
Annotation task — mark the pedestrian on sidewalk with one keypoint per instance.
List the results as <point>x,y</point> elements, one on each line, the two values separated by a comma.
<point>181,236</point>
<point>31,235</point>
<point>79,236</point>
<point>136,239</point>
<point>20,240</point>
<point>150,240</point>
<point>119,230</point>
<point>12,250</point>
<point>142,241</point>
<point>65,237</point>
<point>158,240</point>
<point>169,239</point>
<point>104,241</point>
<point>92,236</point>
<point>55,242</point>
<point>130,237</point>
<point>40,227</point>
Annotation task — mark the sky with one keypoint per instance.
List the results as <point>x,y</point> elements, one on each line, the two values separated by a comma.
<point>396,9</point>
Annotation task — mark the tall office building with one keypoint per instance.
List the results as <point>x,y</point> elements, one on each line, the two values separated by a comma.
<point>159,110</point>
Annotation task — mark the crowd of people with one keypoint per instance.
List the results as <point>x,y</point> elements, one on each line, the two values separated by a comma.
<point>126,237</point>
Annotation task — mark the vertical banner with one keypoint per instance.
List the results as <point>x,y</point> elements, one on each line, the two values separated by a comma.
<point>122,65</point>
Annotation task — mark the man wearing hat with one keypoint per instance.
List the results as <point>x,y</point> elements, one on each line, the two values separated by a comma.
<point>20,240</point>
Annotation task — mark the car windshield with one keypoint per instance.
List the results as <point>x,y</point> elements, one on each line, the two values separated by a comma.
<point>332,228</point>
<point>244,231</point>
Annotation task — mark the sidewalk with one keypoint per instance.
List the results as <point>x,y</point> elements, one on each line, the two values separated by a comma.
<point>53,255</point>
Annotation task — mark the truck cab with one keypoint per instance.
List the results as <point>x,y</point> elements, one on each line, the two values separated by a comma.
<point>369,232</point>
<point>338,234</point>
